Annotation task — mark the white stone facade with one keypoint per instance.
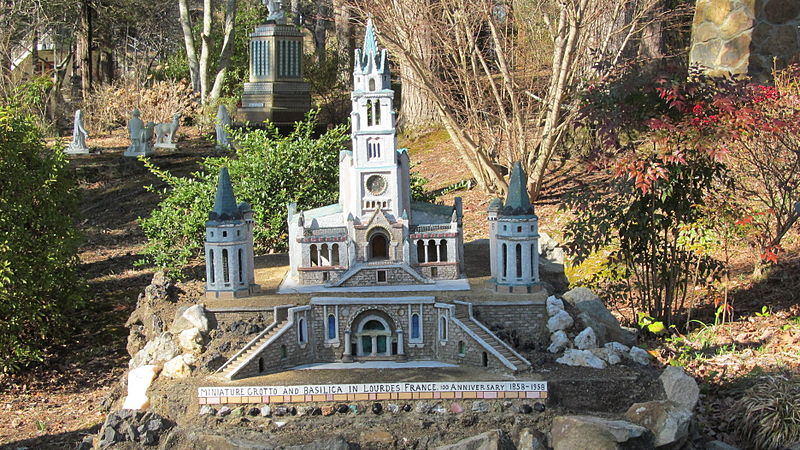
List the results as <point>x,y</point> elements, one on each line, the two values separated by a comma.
<point>375,234</point>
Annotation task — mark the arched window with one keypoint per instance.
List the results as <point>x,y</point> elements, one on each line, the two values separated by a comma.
<point>331,326</point>
<point>260,365</point>
<point>534,250</point>
<point>314,255</point>
<point>369,112</point>
<point>212,275</point>
<point>371,84</point>
<point>377,112</point>
<point>443,250</point>
<point>378,246</point>
<point>432,251</point>
<point>335,254</point>
<point>519,260</point>
<point>226,275</point>
<point>485,359</point>
<point>301,330</point>
<point>324,255</point>
<point>443,328</point>
<point>415,331</point>
<point>421,251</point>
<point>240,266</point>
<point>505,261</point>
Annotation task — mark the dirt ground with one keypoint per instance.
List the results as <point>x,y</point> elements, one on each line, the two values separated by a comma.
<point>56,403</point>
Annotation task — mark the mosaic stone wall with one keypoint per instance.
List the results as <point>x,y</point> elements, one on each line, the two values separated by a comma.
<point>745,36</point>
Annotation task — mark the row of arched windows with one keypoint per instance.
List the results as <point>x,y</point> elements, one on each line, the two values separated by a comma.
<point>226,274</point>
<point>431,251</point>
<point>373,149</point>
<point>518,259</point>
<point>324,255</point>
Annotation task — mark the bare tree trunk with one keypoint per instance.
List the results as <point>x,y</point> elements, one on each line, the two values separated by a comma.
<point>85,46</point>
<point>226,51</point>
<point>416,107</point>
<point>320,29</point>
<point>345,41</point>
<point>205,38</point>
<point>188,40</point>
<point>35,54</point>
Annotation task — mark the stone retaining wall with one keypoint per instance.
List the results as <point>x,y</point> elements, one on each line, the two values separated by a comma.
<point>529,320</point>
<point>744,36</point>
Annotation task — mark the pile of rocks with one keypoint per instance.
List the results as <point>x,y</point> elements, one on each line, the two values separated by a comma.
<point>654,424</point>
<point>601,341</point>
<point>140,427</point>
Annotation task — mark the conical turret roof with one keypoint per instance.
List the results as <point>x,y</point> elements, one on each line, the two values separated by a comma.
<point>517,202</point>
<point>225,207</point>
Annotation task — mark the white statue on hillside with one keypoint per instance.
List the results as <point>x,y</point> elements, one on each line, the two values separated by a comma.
<point>141,136</point>
<point>79,136</point>
<point>276,13</point>
<point>223,121</point>
<point>165,133</point>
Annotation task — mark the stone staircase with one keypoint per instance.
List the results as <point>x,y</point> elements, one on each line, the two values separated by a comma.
<point>255,346</point>
<point>464,315</point>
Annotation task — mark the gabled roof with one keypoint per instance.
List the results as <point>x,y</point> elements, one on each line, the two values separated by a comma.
<point>517,202</point>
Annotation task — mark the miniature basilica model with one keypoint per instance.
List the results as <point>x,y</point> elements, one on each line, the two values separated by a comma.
<point>376,240</point>
<point>376,233</point>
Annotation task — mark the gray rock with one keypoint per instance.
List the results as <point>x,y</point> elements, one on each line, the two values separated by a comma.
<point>160,349</point>
<point>266,411</point>
<point>546,243</point>
<point>335,443</point>
<point>490,440</point>
<point>587,432</point>
<point>668,421</point>
<point>224,411</point>
<point>585,301</point>
<point>393,408</point>
<point>640,356</point>
<point>586,339</point>
<point>581,358</point>
<point>206,410</point>
<point>561,321</point>
<point>192,317</point>
<point>480,406</point>
<point>680,387</point>
<point>423,408</point>
<point>609,356</point>
<point>530,439</point>
<point>557,255</point>
<point>719,445</point>
<point>110,436</point>
<point>558,342</point>
<point>87,443</point>
<point>554,305</point>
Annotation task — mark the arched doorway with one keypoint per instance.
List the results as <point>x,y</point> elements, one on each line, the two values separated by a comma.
<point>373,337</point>
<point>378,245</point>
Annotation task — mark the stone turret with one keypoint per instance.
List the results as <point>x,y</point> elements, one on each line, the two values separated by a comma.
<point>229,245</point>
<point>514,238</point>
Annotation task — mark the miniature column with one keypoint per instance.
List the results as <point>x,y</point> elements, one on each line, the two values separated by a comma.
<point>374,346</point>
<point>347,356</point>
<point>511,261</point>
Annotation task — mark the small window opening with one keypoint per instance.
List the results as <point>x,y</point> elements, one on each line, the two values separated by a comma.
<point>415,326</point>
<point>434,272</point>
<point>381,276</point>
<point>283,352</point>
<point>331,326</point>
<point>462,348</point>
<point>224,234</point>
<point>325,276</point>
<point>443,328</point>
<point>213,269</point>
<point>260,365</point>
<point>226,275</point>
<point>485,359</point>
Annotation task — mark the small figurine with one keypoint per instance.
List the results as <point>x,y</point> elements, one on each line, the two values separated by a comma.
<point>140,135</point>
<point>276,13</point>
<point>165,133</point>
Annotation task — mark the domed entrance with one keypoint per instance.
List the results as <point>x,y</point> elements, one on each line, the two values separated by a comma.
<point>373,337</point>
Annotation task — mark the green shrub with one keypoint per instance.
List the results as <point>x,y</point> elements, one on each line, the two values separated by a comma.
<point>268,171</point>
<point>39,282</point>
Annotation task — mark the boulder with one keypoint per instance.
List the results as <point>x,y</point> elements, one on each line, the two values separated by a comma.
<point>158,290</point>
<point>191,340</point>
<point>546,243</point>
<point>609,356</point>
<point>554,305</point>
<point>490,440</point>
<point>668,421</point>
<point>586,302</point>
<point>160,349</point>
<point>561,321</point>
<point>191,317</point>
<point>581,358</point>
<point>176,368</point>
<point>530,439</point>
<point>719,445</point>
<point>139,381</point>
<point>639,355</point>
<point>587,432</point>
<point>558,342</point>
<point>586,339</point>
<point>680,387</point>
<point>141,427</point>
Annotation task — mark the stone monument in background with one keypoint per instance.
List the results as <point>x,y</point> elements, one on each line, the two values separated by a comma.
<point>276,90</point>
<point>743,37</point>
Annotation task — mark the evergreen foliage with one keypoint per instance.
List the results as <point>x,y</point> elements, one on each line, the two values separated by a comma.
<point>268,171</point>
<point>39,282</point>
